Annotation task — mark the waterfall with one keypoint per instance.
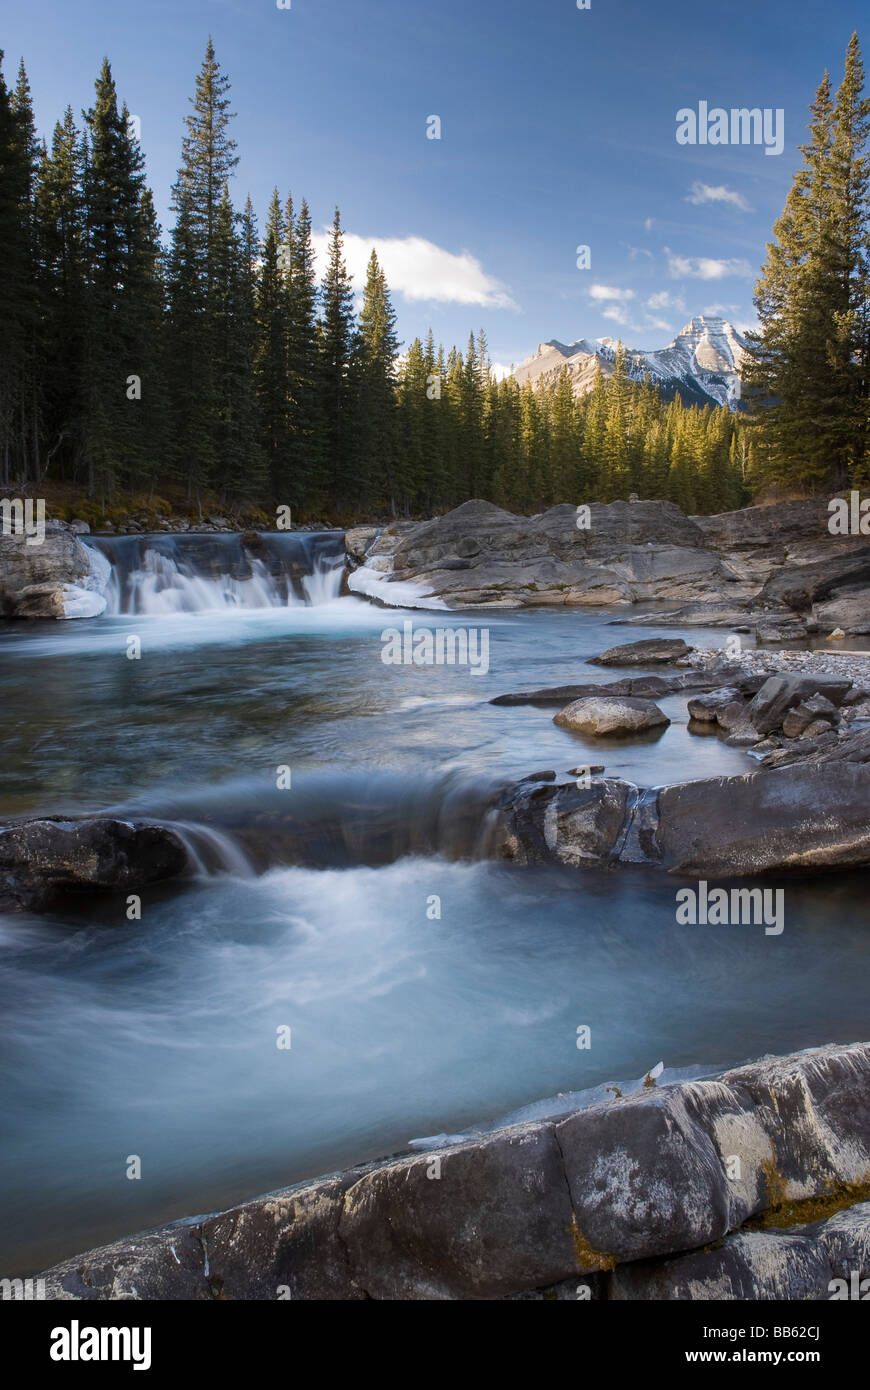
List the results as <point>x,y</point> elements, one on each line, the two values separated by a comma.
<point>165,574</point>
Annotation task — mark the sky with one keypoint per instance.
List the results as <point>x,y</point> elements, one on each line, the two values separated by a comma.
<point>558,130</point>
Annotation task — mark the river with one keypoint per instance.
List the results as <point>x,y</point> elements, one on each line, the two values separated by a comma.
<point>425,988</point>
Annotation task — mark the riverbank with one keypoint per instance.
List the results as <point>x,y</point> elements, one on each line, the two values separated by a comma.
<point>752,1185</point>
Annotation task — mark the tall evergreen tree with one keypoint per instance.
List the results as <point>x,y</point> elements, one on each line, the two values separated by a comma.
<point>380,471</point>
<point>208,160</point>
<point>338,348</point>
<point>807,376</point>
<point>304,449</point>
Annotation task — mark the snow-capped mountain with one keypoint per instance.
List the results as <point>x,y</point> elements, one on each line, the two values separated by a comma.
<point>703,362</point>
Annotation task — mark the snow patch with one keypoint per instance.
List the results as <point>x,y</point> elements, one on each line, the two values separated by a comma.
<point>396,593</point>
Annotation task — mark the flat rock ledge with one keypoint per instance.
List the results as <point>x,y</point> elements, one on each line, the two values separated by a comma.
<point>806,816</point>
<point>751,1185</point>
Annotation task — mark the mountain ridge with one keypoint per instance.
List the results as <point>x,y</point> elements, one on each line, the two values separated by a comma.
<point>702,362</point>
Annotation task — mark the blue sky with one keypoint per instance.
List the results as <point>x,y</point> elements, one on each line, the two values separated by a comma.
<point>558,130</point>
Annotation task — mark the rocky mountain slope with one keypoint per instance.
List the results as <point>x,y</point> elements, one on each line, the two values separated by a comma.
<point>703,362</point>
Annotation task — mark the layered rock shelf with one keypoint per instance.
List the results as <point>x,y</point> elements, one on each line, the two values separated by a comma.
<point>755,1184</point>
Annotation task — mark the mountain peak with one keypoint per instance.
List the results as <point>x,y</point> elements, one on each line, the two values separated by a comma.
<point>702,362</point>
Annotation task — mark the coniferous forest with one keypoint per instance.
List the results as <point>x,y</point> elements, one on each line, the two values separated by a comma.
<point>211,357</point>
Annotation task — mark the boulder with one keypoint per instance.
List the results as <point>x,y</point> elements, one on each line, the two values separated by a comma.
<point>793,818</point>
<point>358,540</point>
<point>848,610</point>
<point>42,860</point>
<point>809,815</point>
<point>705,708</point>
<point>602,715</point>
<point>803,587</point>
<point>647,653</point>
<point>578,826</point>
<point>776,697</point>
<point>817,709</point>
<point>44,580</point>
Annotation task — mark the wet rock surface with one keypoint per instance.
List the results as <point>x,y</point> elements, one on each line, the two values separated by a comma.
<point>42,861</point>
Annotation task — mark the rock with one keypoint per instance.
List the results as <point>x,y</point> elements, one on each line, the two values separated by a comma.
<point>790,818</point>
<point>639,687</point>
<point>358,540</point>
<point>731,716</point>
<point>706,708</point>
<point>35,579</point>
<point>742,735</point>
<point>647,653</point>
<point>578,826</point>
<point>598,715</point>
<point>815,729</point>
<point>810,815</point>
<point>758,1265</point>
<point>776,697</point>
<point>847,611</point>
<point>480,555</point>
<point>815,710</point>
<point>524,1209</point>
<point>80,528</point>
<point>42,860</point>
<point>801,587</point>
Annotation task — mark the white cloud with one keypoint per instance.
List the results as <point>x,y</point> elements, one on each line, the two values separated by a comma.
<point>609,292</point>
<point>649,223</point>
<point>705,267</point>
<point>616,313</point>
<point>635,251</point>
<point>663,299</point>
<point>499,371</point>
<point>706,193</point>
<point>662,324</point>
<point>419,270</point>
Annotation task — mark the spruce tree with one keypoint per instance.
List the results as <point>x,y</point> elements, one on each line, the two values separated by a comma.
<point>338,348</point>
<point>807,376</point>
<point>208,160</point>
<point>380,472</point>
<point>304,443</point>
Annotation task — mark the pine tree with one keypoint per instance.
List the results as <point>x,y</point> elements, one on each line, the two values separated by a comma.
<point>304,451</point>
<point>338,347</point>
<point>807,377</point>
<point>273,386</point>
<point>60,258</point>
<point>118,262</point>
<point>18,303</point>
<point>379,471</point>
<point>208,160</point>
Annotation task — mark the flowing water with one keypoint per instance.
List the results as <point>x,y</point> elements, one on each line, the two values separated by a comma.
<point>312,907</point>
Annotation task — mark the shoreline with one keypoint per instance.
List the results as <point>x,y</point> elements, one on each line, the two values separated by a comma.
<point>730,1186</point>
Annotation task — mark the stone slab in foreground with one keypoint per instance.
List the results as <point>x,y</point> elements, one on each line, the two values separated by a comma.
<point>626,1193</point>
